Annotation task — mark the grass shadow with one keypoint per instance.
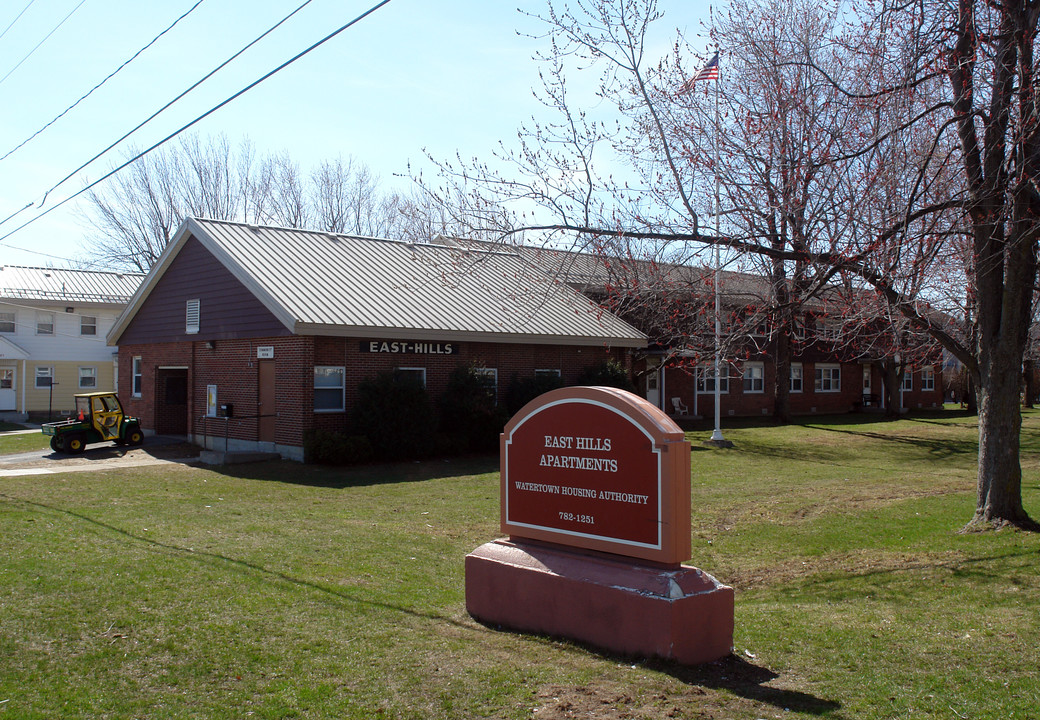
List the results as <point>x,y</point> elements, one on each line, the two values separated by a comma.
<point>978,571</point>
<point>338,478</point>
<point>731,673</point>
<point>749,681</point>
<point>939,448</point>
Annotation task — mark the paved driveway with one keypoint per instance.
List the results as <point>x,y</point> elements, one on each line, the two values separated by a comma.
<point>155,450</point>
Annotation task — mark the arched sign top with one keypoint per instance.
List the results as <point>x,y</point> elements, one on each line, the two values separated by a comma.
<point>641,412</point>
<point>601,469</point>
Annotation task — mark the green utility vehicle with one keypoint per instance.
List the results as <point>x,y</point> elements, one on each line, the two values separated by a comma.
<point>98,418</point>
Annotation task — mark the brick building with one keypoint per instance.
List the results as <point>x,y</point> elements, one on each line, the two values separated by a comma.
<point>280,326</point>
<point>839,354</point>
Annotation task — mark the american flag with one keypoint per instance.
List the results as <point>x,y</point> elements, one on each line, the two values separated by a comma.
<point>709,72</point>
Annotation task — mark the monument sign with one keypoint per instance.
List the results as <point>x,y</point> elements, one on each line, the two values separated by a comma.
<point>596,502</point>
<point>601,469</point>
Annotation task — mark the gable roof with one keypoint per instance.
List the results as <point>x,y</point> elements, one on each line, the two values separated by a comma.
<point>319,283</point>
<point>64,286</point>
<point>594,271</point>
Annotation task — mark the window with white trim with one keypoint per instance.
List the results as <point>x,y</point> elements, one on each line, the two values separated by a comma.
<point>547,372</point>
<point>135,374</point>
<point>754,377</point>
<point>44,323</point>
<point>329,388</point>
<point>796,377</point>
<point>88,378</point>
<point>828,378</point>
<point>490,378</point>
<point>706,379</point>
<point>192,313</point>
<point>798,328</point>
<point>908,380</point>
<point>87,325</point>
<point>928,378</point>
<point>416,374</point>
<point>44,377</point>
<point>7,322</point>
<point>828,329</point>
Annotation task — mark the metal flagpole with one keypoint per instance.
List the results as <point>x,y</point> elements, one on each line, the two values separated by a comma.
<point>716,436</point>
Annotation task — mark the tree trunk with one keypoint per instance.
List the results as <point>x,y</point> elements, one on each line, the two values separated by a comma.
<point>999,499</point>
<point>782,378</point>
<point>971,394</point>
<point>891,380</point>
<point>1030,381</point>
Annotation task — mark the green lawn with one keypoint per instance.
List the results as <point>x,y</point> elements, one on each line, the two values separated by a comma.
<point>287,591</point>
<point>11,442</point>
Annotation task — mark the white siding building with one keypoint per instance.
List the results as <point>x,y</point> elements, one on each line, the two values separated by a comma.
<point>52,335</point>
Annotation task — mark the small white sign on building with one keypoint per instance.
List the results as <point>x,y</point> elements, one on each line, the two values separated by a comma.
<point>264,352</point>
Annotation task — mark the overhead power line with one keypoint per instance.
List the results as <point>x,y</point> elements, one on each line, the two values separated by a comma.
<point>158,112</point>
<point>9,72</point>
<point>201,117</point>
<point>16,19</point>
<point>109,77</point>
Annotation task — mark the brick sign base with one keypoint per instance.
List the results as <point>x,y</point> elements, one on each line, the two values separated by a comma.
<point>596,504</point>
<point>627,607</point>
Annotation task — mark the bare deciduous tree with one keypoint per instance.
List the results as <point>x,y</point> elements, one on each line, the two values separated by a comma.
<point>857,165</point>
<point>136,213</point>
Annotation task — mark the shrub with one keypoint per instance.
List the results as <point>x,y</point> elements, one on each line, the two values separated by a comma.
<point>395,413</point>
<point>468,411</point>
<point>332,448</point>
<point>524,390</point>
<point>609,373</point>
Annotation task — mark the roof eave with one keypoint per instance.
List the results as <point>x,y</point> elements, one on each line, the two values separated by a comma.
<point>382,333</point>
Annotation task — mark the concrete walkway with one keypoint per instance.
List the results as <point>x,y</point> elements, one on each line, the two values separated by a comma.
<point>156,450</point>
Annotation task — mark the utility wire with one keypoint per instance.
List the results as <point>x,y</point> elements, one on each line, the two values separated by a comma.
<point>16,19</point>
<point>110,76</point>
<point>41,41</point>
<point>165,107</point>
<point>201,117</point>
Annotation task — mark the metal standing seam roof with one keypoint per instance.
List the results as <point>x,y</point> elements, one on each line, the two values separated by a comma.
<point>320,283</point>
<point>57,285</point>
<point>587,270</point>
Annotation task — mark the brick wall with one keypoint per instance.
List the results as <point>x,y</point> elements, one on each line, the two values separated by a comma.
<point>233,366</point>
<point>680,381</point>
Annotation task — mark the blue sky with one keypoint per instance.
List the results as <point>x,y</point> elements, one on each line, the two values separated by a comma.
<point>449,77</point>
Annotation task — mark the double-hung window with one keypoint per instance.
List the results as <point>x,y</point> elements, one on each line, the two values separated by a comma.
<point>828,378</point>
<point>44,323</point>
<point>490,379</point>
<point>754,377</point>
<point>415,374</point>
<point>928,378</point>
<point>88,378</point>
<point>44,376</point>
<point>796,377</point>
<point>706,379</point>
<point>135,374</point>
<point>329,388</point>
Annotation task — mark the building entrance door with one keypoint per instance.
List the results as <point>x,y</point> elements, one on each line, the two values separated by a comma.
<point>171,401</point>
<point>653,382</point>
<point>266,406</point>
<point>8,397</point>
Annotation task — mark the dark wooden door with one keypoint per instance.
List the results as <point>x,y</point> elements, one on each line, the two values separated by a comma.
<point>266,406</point>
